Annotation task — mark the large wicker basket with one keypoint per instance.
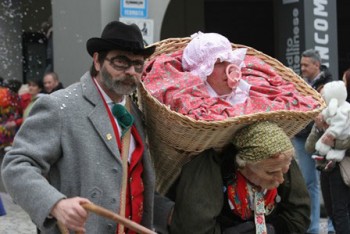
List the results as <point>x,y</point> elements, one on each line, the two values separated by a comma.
<point>175,139</point>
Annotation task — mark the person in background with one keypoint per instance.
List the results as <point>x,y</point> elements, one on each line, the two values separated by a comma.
<point>13,84</point>
<point>336,193</point>
<point>25,96</point>
<point>90,153</point>
<point>51,82</point>
<point>346,79</point>
<point>35,88</point>
<point>10,111</point>
<point>316,75</point>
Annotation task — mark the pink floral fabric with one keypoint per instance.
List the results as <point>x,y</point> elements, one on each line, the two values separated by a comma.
<point>187,94</point>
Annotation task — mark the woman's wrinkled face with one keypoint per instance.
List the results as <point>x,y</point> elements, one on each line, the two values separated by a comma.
<point>218,79</point>
<point>268,173</point>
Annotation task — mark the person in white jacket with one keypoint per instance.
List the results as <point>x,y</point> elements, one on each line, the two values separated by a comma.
<point>337,116</point>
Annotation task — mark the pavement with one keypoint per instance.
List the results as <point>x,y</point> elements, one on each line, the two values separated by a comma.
<point>17,221</point>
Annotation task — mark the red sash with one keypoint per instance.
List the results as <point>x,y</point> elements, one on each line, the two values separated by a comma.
<point>134,192</point>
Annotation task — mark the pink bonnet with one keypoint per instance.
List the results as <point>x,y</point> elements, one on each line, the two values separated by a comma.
<point>204,49</point>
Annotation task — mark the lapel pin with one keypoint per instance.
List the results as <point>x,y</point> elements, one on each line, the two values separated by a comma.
<point>109,136</point>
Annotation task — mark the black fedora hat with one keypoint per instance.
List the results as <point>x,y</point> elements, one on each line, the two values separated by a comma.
<point>119,36</point>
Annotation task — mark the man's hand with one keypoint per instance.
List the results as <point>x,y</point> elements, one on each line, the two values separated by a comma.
<point>71,214</point>
<point>268,173</point>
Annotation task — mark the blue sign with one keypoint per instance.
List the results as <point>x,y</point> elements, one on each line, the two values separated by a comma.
<point>134,8</point>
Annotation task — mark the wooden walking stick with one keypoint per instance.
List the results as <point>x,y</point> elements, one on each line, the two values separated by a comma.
<point>117,218</point>
<point>63,229</point>
<point>113,216</point>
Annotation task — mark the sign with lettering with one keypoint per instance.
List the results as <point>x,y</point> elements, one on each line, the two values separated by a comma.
<point>134,8</point>
<point>306,24</point>
<point>321,31</point>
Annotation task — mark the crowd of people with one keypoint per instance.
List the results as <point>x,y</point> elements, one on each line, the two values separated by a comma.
<point>16,101</point>
<point>95,151</point>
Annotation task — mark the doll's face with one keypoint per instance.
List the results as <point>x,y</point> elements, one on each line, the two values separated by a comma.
<point>218,79</point>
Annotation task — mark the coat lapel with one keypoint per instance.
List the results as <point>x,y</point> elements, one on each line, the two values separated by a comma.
<point>103,126</point>
<point>99,116</point>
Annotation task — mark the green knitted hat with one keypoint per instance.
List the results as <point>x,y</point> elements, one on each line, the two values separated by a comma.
<point>261,140</point>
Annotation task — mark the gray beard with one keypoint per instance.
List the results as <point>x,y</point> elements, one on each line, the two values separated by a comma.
<point>118,86</point>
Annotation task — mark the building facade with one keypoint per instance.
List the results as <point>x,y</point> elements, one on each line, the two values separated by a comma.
<point>261,24</point>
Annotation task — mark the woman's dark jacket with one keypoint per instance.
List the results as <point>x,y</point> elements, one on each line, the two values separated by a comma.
<point>201,207</point>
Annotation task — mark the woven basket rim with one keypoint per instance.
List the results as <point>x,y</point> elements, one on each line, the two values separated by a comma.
<point>176,40</point>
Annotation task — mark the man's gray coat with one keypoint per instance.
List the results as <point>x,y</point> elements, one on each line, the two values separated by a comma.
<point>65,141</point>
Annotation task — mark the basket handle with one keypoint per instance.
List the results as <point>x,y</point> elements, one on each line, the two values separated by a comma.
<point>110,215</point>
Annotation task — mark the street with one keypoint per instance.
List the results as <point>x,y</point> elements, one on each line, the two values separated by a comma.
<point>18,222</point>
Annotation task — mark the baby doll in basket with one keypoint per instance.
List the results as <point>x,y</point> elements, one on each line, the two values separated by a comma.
<point>210,57</point>
<point>337,116</point>
<point>208,80</point>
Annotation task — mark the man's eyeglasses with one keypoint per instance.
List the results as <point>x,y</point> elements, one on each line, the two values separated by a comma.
<point>122,63</point>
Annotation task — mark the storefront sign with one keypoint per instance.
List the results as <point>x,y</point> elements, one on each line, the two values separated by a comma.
<point>306,24</point>
<point>134,8</point>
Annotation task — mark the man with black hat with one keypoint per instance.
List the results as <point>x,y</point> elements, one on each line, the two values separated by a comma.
<point>81,144</point>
